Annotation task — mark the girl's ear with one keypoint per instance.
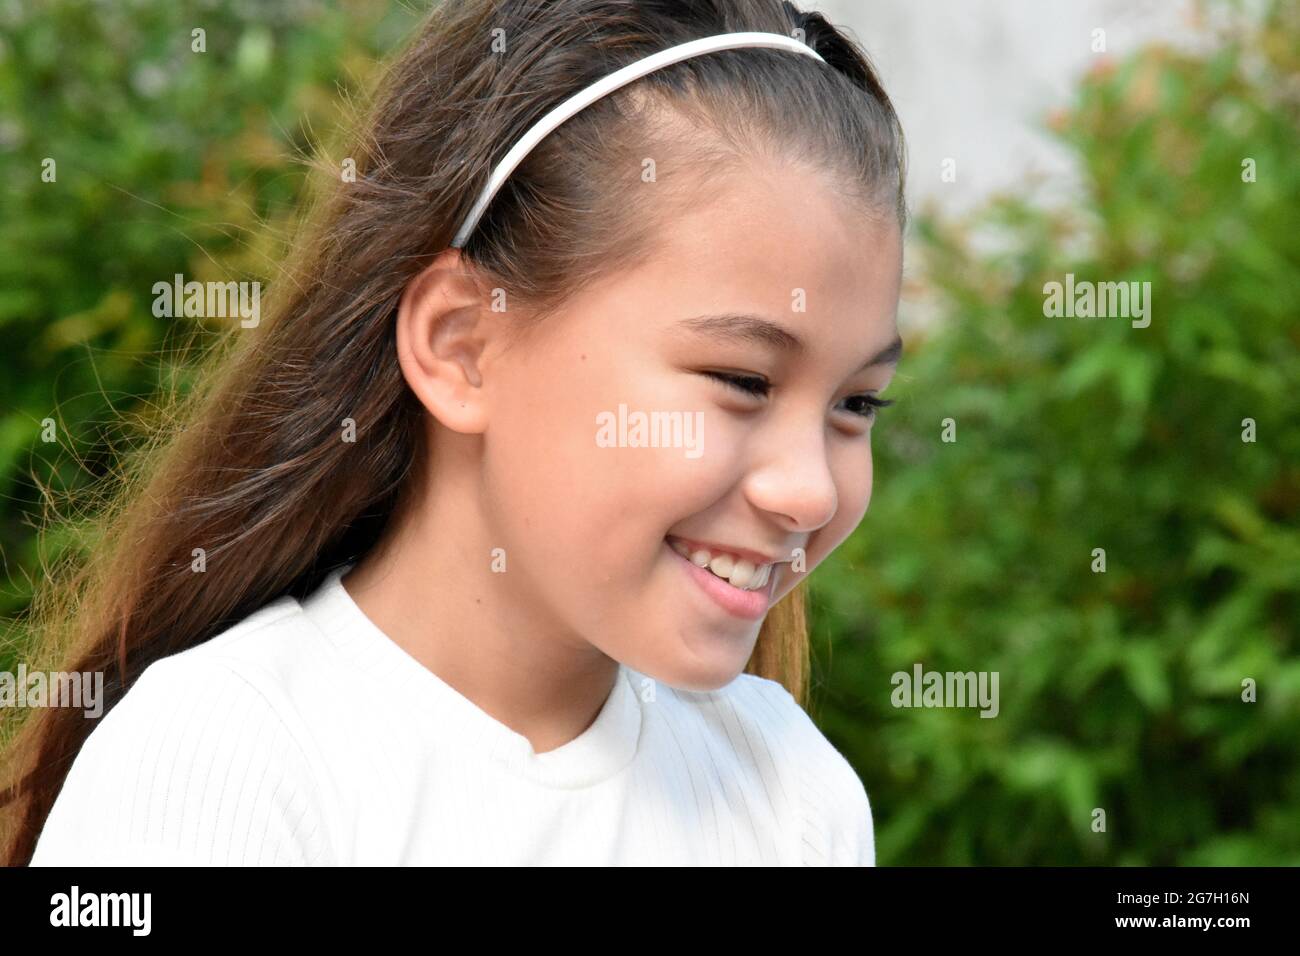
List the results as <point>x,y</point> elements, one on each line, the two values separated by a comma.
<point>440,342</point>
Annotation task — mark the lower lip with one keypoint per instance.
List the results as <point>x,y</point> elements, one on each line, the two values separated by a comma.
<point>750,605</point>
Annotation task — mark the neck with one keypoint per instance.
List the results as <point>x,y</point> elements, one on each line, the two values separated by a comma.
<point>429,585</point>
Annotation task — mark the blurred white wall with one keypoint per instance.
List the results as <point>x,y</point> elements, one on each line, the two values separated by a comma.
<point>971,79</point>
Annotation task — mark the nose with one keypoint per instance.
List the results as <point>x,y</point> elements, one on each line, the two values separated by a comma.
<point>795,483</point>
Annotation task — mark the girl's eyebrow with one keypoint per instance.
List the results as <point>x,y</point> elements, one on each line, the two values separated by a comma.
<point>744,327</point>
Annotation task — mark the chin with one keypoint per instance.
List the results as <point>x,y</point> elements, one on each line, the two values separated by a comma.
<point>701,678</point>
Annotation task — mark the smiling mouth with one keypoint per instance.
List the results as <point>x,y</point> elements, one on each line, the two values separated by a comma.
<point>740,573</point>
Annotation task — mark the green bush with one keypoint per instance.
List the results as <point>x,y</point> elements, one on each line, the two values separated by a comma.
<point>1119,690</point>
<point>167,160</point>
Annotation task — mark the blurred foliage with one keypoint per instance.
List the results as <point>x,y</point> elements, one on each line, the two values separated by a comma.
<point>167,160</point>
<point>1119,690</point>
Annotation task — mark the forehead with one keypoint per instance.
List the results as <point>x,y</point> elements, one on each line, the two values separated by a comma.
<point>770,239</point>
<point>776,239</point>
<point>778,242</point>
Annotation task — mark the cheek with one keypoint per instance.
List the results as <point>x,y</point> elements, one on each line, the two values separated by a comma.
<point>561,495</point>
<point>853,482</point>
<point>702,467</point>
<point>544,482</point>
<point>859,486</point>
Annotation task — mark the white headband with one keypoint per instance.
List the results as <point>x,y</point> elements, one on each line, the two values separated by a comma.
<point>621,77</point>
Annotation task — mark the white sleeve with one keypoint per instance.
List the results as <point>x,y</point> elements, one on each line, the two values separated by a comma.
<point>838,829</point>
<point>835,794</point>
<point>858,840</point>
<point>192,767</point>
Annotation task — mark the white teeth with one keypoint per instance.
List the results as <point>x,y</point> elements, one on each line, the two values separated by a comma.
<point>742,575</point>
<point>738,572</point>
<point>722,564</point>
<point>758,580</point>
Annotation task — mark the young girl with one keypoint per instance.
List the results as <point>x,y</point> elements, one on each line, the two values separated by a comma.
<point>487,544</point>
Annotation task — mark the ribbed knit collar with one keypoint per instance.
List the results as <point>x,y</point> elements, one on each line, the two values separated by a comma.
<point>599,752</point>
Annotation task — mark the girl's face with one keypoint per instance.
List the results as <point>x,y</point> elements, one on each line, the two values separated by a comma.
<point>588,514</point>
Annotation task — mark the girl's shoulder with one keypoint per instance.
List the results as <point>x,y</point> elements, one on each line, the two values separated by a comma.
<point>766,730</point>
<point>839,829</point>
<point>202,761</point>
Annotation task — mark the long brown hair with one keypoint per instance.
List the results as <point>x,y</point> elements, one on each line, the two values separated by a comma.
<point>252,470</point>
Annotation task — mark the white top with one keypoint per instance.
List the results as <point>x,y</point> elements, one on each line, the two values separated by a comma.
<point>303,735</point>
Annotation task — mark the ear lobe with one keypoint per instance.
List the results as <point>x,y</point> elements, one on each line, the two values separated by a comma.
<point>440,342</point>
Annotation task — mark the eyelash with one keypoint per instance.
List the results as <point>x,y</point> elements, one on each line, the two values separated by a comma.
<point>761,388</point>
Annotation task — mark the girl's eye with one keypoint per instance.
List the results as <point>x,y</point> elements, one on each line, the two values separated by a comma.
<point>749,384</point>
<point>757,386</point>
<point>870,404</point>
